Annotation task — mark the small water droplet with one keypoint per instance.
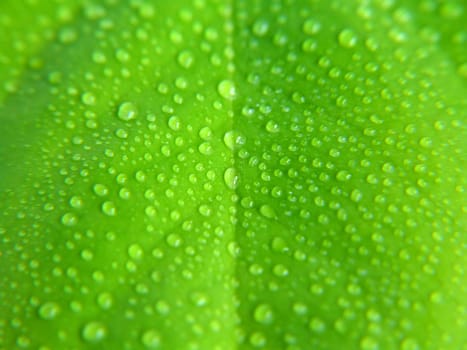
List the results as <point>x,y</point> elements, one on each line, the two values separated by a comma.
<point>317,325</point>
<point>174,240</point>
<point>205,210</point>
<point>409,344</point>
<point>69,219</point>
<point>109,209</point>
<point>135,251</point>
<point>127,111</point>
<point>347,38</point>
<point>267,211</point>
<point>231,178</point>
<point>94,332</point>
<point>185,59</point>
<point>272,127</point>
<point>100,190</point>
<point>343,175</point>
<point>174,123</point>
<point>151,339</point>
<point>205,133</point>
<point>105,300</point>
<point>300,308</point>
<point>356,195</point>
<point>226,89</point>
<point>233,139</point>
<point>260,27</point>
<point>263,314</point>
<point>88,99</point>
<point>49,310</point>
<point>368,343</point>
<point>311,26</point>
<point>257,339</point>
<point>280,270</point>
<point>76,202</point>
<point>206,148</point>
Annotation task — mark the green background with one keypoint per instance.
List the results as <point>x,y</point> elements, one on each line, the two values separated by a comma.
<point>241,174</point>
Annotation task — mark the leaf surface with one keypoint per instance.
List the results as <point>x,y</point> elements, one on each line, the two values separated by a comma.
<point>233,175</point>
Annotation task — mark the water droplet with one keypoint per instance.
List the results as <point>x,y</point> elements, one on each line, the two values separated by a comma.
<point>109,209</point>
<point>185,59</point>
<point>199,299</point>
<point>263,314</point>
<point>300,308</point>
<point>233,139</point>
<point>163,307</point>
<point>205,210</point>
<point>105,300</point>
<point>226,89</point>
<point>343,175</point>
<point>426,142</point>
<point>409,344</point>
<point>317,325</point>
<point>234,249</point>
<point>174,123</point>
<point>124,193</point>
<point>260,27</point>
<point>257,339</point>
<point>135,251</point>
<point>272,127</point>
<point>174,240</point>
<point>255,269</point>
<point>151,339</point>
<point>206,148</point>
<point>127,111</point>
<point>280,270</point>
<point>462,70</point>
<point>76,202</point>
<point>94,332</point>
<point>267,211</point>
<point>49,310</point>
<point>69,219</point>
<point>231,178</point>
<point>347,38</point>
<point>88,99</point>
<point>279,244</point>
<point>67,35</point>
<point>368,343</point>
<point>311,26</point>
<point>87,255</point>
<point>100,189</point>
<point>121,133</point>
<point>205,133</point>
<point>356,195</point>
<point>122,55</point>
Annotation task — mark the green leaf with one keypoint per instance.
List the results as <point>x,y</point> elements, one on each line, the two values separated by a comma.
<point>210,174</point>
